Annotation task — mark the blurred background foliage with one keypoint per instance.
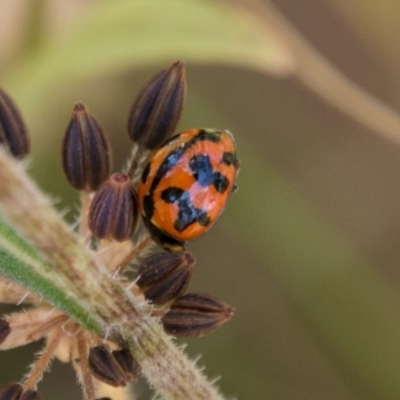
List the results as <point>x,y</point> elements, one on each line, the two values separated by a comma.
<point>308,250</point>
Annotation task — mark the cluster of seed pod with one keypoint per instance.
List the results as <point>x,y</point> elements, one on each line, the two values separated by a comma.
<point>113,216</point>
<point>116,368</point>
<point>15,391</point>
<point>164,278</point>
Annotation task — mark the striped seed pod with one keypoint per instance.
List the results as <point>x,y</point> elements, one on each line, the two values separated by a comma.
<point>116,368</point>
<point>165,276</point>
<point>156,110</point>
<point>12,391</point>
<point>196,314</point>
<point>85,151</point>
<point>30,395</point>
<point>128,364</point>
<point>104,367</point>
<point>13,131</point>
<point>114,210</point>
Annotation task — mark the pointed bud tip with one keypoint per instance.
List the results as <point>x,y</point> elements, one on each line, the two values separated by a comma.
<point>228,312</point>
<point>187,257</point>
<point>79,107</point>
<point>14,134</point>
<point>165,276</point>
<point>179,66</point>
<point>86,155</point>
<point>119,177</point>
<point>156,110</point>
<point>196,314</point>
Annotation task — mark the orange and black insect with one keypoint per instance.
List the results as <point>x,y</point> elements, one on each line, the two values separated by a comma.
<point>186,184</point>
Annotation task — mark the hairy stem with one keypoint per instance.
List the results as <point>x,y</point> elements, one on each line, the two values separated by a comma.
<point>85,375</point>
<point>42,363</point>
<point>324,79</point>
<point>122,318</point>
<point>84,231</point>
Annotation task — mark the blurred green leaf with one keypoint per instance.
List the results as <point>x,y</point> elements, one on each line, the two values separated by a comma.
<point>126,34</point>
<point>21,263</point>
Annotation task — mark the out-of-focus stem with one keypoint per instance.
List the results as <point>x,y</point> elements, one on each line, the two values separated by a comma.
<point>43,361</point>
<point>84,231</point>
<point>85,375</point>
<point>323,78</point>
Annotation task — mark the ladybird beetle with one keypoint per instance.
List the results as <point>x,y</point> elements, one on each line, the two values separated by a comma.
<point>186,184</point>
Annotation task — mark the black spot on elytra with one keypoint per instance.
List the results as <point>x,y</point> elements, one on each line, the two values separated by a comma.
<point>221,182</point>
<point>172,194</point>
<point>202,169</point>
<point>168,163</point>
<point>203,219</point>
<point>188,214</point>
<point>204,174</point>
<point>174,156</point>
<point>228,158</point>
<point>210,135</point>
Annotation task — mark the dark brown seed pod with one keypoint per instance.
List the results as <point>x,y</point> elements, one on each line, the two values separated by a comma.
<point>114,210</point>
<point>156,110</point>
<point>105,368</point>
<point>85,151</point>
<point>196,314</point>
<point>13,132</point>
<point>30,395</point>
<point>165,276</point>
<point>5,330</point>
<point>12,391</point>
<point>128,364</point>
